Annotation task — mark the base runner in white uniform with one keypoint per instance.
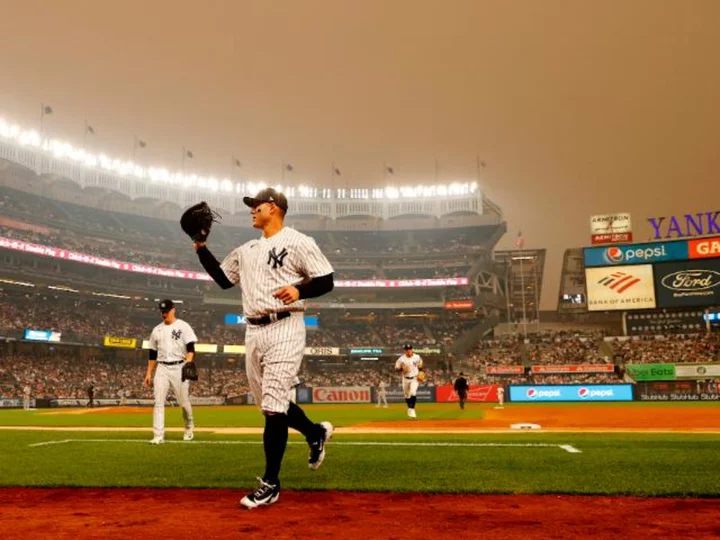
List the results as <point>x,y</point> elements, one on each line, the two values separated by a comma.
<point>276,273</point>
<point>172,343</point>
<point>409,364</point>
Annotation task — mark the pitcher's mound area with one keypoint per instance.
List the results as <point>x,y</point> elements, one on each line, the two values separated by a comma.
<point>210,513</point>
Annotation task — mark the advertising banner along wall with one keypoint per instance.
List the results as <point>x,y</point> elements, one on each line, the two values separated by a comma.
<point>482,393</point>
<point>697,371</point>
<point>572,392</point>
<point>504,370</point>
<point>335,394</point>
<point>688,283</point>
<point>425,394</point>
<point>636,253</point>
<point>582,368</point>
<point>620,288</point>
<point>121,342</point>
<point>678,391</point>
<point>651,372</point>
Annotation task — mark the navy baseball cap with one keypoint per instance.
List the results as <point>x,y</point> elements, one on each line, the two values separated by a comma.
<point>407,347</point>
<point>166,305</point>
<point>267,195</point>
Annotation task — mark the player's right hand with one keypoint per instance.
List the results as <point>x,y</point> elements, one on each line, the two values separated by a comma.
<point>148,380</point>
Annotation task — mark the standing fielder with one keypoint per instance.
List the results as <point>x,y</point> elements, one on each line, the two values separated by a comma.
<point>26,397</point>
<point>172,343</point>
<point>409,364</point>
<point>276,273</point>
<point>501,397</point>
<point>382,395</point>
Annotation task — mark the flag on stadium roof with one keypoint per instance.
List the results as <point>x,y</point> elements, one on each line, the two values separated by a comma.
<point>519,240</point>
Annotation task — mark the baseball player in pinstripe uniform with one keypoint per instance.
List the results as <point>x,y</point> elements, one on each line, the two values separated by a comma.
<point>276,273</point>
<point>172,343</point>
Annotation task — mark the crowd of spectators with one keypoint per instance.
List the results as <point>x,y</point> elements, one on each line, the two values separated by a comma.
<point>672,349</point>
<point>566,350</point>
<point>64,377</point>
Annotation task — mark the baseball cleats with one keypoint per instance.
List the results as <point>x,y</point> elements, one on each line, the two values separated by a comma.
<point>188,436</point>
<point>264,495</point>
<point>317,448</point>
<point>157,440</point>
<point>411,413</point>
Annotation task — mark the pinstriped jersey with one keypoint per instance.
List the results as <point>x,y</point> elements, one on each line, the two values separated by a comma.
<point>410,365</point>
<point>264,265</point>
<point>170,340</point>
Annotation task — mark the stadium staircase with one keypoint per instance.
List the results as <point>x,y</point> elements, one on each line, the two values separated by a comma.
<point>467,341</point>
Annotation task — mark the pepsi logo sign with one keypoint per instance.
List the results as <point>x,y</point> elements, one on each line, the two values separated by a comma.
<point>583,392</point>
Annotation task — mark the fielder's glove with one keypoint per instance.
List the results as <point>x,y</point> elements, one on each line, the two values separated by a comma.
<point>197,221</point>
<point>421,376</point>
<point>189,372</point>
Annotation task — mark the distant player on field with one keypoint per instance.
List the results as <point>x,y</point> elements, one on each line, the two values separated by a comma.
<point>409,364</point>
<point>382,395</point>
<point>172,345</point>
<point>501,396</point>
<point>26,397</point>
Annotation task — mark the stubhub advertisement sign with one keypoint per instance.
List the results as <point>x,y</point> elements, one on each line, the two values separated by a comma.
<point>636,253</point>
<point>572,392</point>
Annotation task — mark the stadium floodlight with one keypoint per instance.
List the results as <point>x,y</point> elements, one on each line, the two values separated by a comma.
<point>66,151</point>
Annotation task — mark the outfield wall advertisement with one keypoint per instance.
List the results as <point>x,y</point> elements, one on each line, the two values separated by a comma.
<point>677,391</point>
<point>335,394</point>
<point>571,392</point>
<point>482,393</point>
<point>394,394</point>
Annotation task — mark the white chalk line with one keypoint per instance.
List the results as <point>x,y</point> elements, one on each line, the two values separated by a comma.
<point>566,447</point>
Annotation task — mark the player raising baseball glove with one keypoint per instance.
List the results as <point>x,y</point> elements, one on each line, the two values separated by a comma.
<point>189,372</point>
<point>421,376</point>
<point>197,221</point>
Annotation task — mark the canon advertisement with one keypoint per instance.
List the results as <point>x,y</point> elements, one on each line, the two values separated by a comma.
<point>621,288</point>
<point>689,283</point>
<point>572,392</point>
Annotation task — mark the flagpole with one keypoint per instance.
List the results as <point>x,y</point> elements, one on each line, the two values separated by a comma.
<point>537,298</point>
<point>522,287</point>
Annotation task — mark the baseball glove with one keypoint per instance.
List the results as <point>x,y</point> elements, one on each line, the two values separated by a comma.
<point>197,221</point>
<point>189,372</point>
<point>421,376</point>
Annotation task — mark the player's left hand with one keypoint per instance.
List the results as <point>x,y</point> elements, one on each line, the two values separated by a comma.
<point>287,294</point>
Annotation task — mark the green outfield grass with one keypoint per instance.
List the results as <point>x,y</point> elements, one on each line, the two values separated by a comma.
<point>642,464</point>
<point>241,416</point>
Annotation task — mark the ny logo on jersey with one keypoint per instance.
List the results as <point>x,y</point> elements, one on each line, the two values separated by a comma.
<point>176,334</point>
<point>277,258</point>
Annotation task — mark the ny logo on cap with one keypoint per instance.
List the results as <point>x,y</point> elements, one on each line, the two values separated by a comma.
<point>176,334</point>
<point>277,258</point>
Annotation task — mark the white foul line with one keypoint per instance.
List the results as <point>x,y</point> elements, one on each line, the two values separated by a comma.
<point>566,447</point>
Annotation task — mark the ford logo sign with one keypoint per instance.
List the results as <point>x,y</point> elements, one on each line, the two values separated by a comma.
<point>691,280</point>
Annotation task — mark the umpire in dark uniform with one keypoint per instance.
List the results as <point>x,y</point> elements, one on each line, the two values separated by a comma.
<point>461,388</point>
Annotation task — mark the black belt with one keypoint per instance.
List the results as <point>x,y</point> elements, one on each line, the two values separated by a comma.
<point>267,319</point>
<point>415,377</point>
<point>172,363</point>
